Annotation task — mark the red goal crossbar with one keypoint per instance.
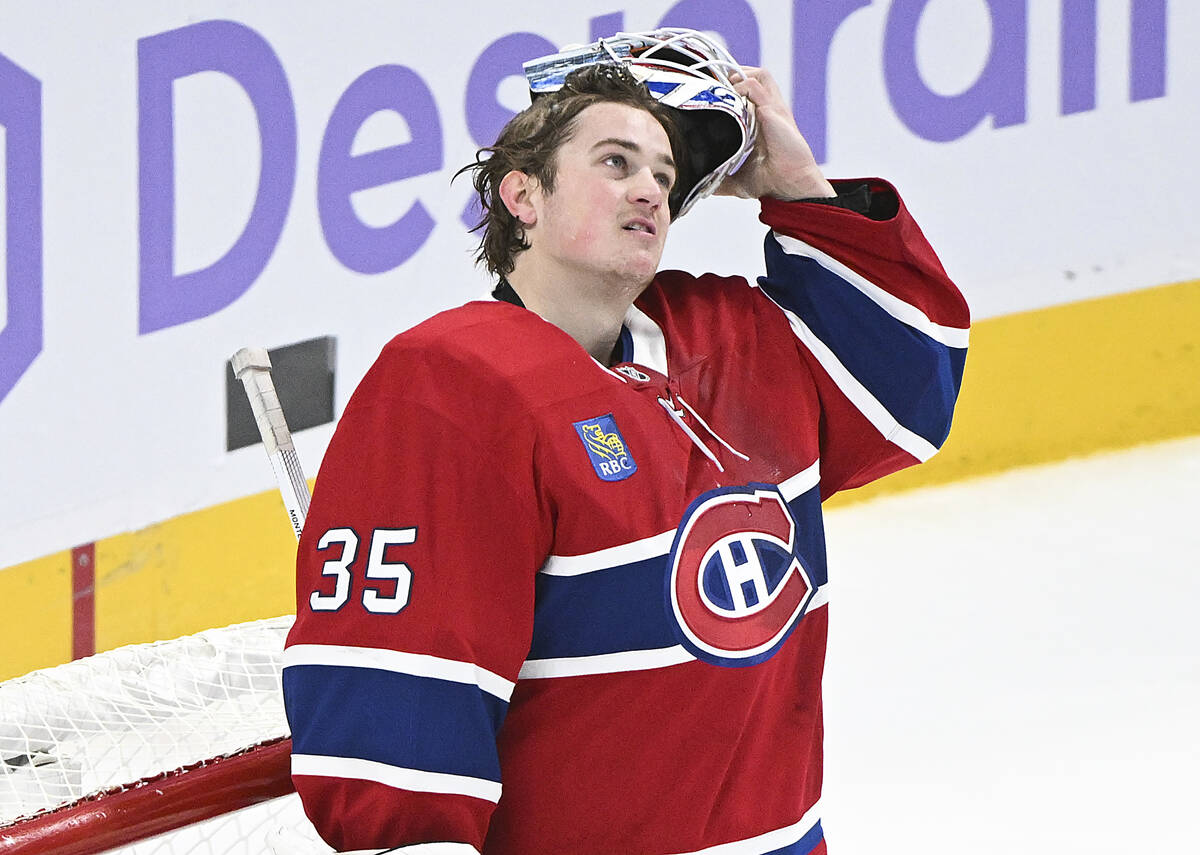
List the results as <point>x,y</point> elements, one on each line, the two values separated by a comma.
<point>141,740</point>
<point>155,805</point>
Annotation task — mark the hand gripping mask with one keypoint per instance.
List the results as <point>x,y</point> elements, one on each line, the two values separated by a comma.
<point>684,69</point>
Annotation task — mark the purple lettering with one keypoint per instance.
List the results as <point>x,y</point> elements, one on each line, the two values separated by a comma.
<point>1077,92</point>
<point>1147,53</point>
<point>21,116</point>
<point>733,19</point>
<point>503,58</point>
<point>239,52</point>
<point>360,247</point>
<point>999,91</point>
<point>814,23</point>
<point>1148,50</point>
<point>603,26</point>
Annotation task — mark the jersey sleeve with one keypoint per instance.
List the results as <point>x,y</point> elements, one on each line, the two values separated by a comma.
<point>883,330</point>
<point>415,576</point>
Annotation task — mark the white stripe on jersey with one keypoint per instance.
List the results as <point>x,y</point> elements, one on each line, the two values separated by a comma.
<point>414,780</point>
<point>768,842</point>
<point>614,556</point>
<point>413,664</point>
<point>605,663</point>
<point>628,660</point>
<point>649,343</point>
<point>904,312</point>
<point>800,483</point>
<point>658,544</point>
<point>866,403</point>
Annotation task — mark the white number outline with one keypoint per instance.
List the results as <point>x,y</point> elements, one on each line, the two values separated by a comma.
<point>377,570</point>
<point>339,568</point>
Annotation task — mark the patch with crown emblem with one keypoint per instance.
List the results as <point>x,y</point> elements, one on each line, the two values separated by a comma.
<point>606,448</point>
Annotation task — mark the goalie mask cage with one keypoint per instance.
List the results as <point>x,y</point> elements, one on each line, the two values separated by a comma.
<point>171,747</point>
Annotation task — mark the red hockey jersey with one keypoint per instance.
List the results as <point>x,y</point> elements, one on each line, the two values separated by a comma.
<point>547,606</point>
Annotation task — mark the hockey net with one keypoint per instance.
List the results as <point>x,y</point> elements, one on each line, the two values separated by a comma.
<point>171,747</point>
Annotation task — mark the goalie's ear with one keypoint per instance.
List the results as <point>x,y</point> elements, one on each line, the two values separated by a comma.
<point>516,192</point>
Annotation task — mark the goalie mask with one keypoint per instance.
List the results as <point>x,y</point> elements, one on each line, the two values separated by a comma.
<point>684,69</point>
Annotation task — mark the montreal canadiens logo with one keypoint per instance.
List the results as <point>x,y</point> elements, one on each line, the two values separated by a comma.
<point>737,585</point>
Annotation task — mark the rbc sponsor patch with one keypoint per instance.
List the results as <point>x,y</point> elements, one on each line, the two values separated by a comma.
<point>606,448</point>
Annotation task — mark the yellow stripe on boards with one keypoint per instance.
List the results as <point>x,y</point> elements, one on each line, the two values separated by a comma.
<point>1070,380</point>
<point>36,630</point>
<point>229,563</point>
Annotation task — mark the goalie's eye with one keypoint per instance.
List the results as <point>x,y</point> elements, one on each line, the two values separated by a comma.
<point>618,161</point>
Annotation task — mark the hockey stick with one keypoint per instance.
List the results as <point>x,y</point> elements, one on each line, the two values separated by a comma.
<point>252,366</point>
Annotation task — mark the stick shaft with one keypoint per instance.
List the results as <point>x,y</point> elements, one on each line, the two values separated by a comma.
<point>252,366</point>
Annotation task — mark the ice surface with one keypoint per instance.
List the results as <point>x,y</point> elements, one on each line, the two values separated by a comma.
<point>1014,662</point>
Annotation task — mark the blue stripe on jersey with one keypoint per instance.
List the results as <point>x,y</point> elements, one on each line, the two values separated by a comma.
<point>412,722</point>
<point>915,377</point>
<point>624,608</point>
<point>810,533</point>
<point>607,611</point>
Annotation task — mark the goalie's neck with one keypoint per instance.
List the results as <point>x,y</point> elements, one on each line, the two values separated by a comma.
<point>592,315</point>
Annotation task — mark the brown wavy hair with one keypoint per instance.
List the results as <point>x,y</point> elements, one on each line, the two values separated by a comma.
<point>530,141</point>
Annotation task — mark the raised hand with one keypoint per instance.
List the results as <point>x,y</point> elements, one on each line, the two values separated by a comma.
<point>782,164</point>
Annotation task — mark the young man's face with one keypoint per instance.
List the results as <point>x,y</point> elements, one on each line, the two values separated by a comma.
<point>608,213</point>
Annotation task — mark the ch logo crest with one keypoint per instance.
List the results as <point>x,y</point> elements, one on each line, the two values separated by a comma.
<point>737,585</point>
<point>606,448</point>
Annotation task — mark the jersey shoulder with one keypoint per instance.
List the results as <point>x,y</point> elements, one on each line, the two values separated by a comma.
<point>491,338</point>
<point>699,295</point>
<point>705,313</point>
<point>484,357</point>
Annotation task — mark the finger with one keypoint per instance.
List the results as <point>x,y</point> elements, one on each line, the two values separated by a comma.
<point>741,72</point>
<point>767,79</point>
<point>753,90</point>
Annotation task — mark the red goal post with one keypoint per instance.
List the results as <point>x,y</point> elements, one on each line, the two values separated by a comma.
<point>171,747</point>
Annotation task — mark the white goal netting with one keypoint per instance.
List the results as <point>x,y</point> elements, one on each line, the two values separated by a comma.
<point>114,724</point>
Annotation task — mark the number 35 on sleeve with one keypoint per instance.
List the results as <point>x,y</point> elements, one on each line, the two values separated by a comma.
<point>340,569</point>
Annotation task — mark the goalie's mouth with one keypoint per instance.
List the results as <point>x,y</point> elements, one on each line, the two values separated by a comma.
<point>641,225</point>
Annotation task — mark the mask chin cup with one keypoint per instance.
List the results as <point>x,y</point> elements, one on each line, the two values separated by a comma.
<point>683,69</point>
